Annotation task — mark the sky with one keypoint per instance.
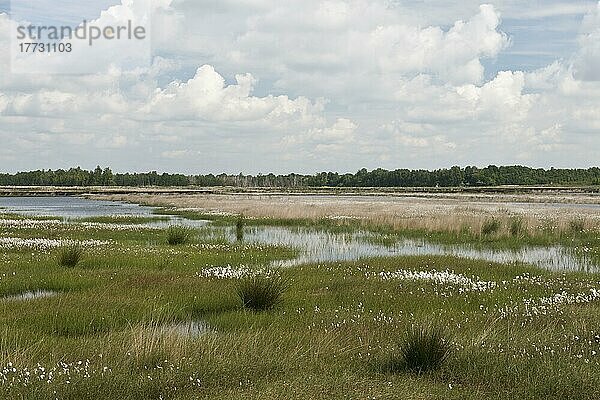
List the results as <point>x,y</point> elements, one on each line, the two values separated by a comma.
<point>260,86</point>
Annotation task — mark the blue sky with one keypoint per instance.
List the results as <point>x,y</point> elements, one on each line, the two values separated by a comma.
<point>55,12</point>
<point>535,43</point>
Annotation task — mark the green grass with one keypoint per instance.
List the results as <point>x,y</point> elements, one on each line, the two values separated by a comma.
<point>322,341</point>
<point>124,219</point>
<point>70,255</point>
<point>423,348</point>
<point>515,237</point>
<point>239,229</point>
<point>491,227</point>
<point>328,339</point>
<point>177,235</point>
<point>517,226</point>
<point>261,292</point>
<point>15,216</point>
<point>577,225</point>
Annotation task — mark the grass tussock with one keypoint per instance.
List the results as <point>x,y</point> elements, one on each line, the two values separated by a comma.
<point>517,226</point>
<point>577,225</point>
<point>262,292</point>
<point>422,349</point>
<point>239,228</point>
<point>70,255</point>
<point>491,227</point>
<point>178,235</point>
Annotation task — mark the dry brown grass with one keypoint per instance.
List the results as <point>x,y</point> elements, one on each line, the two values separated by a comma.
<point>152,340</point>
<point>450,213</point>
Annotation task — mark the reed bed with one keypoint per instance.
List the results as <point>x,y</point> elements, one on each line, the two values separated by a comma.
<point>399,214</point>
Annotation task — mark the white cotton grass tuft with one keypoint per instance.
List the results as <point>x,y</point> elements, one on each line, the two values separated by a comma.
<point>59,224</point>
<point>440,278</point>
<point>44,244</point>
<point>229,272</point>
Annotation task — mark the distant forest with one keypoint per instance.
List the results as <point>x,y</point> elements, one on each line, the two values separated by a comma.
<point>453,177</point>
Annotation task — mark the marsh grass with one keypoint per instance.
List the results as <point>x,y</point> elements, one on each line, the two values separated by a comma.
<point>577,225</point>
<point>239,229</point>
<point>261,292</point>
<point>541,225</point>
<point>491,227</point>
<point>124,219</point>
<point>508,228</point>
<point>309,350</point>
<point>70,255</point>
<point>15,216</point>
<point>325,340</point>
<point>422,349</point>
<point>517,226</point>
<point>74,326</point>
<point>465,230</point>
<point>151,344</point>
<point>178,235</point>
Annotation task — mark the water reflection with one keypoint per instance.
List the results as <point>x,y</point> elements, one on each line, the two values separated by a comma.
<point>74,208</point>
<point>70,207</point>
<point>176,220</point>
<point>30,295</point>
<point>315,246</point>
<point>322,246</point>
<point>187,329</point>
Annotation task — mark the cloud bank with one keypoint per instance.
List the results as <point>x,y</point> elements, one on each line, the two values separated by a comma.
<point>261,86</point>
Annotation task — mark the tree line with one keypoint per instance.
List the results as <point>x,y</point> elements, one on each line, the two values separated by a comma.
<point>452,177</point>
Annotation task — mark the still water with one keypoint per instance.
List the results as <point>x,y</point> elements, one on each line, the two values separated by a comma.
<point>324,246</point>
<point>315,245</point>
<point>31,295</point>
<point>70,207</point>
<point>73,208</point>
